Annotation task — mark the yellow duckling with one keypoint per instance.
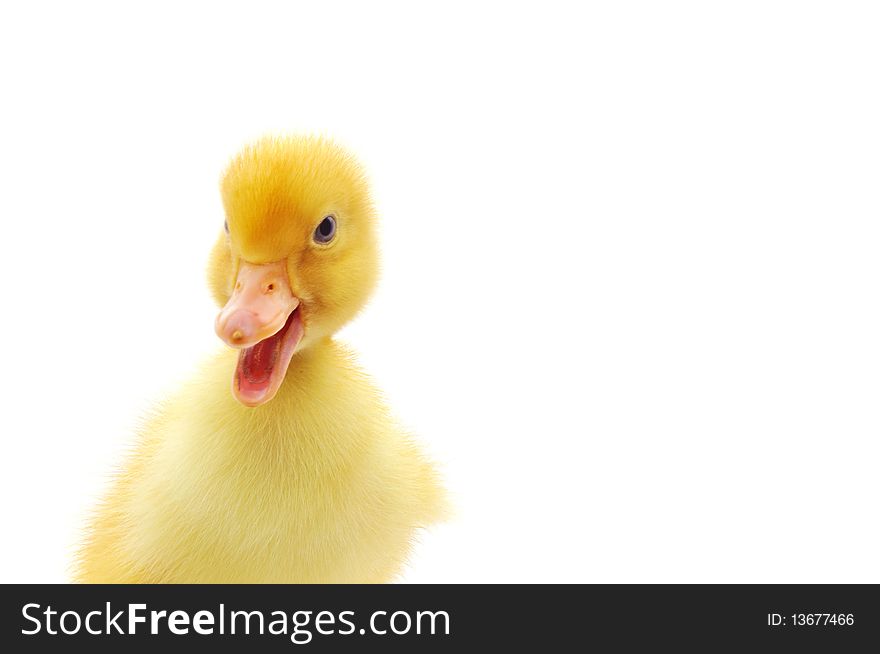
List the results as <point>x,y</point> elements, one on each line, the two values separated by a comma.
<point>299,474</point>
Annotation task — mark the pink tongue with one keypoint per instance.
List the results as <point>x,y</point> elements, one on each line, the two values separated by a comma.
<point>256,370</point>
<point>259,360</point>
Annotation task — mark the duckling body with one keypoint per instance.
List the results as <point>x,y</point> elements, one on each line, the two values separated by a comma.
<point>320,484</point>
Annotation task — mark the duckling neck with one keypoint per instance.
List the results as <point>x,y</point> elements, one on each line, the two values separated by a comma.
<point>307,376</point>
<point>322,391</point>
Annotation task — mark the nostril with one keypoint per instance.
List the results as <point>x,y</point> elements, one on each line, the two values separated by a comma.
<point>270,287</point>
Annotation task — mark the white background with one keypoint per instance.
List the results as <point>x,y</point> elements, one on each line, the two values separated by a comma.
<point>630,264</point>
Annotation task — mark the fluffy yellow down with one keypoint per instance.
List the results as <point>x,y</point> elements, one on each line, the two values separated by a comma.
<point>318,485</point>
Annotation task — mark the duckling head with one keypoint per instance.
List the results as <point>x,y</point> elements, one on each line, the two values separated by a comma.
<point>297,258</point>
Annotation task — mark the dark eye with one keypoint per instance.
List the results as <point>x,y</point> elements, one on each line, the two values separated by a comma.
<point>226,226</point>
<point>326,230</point>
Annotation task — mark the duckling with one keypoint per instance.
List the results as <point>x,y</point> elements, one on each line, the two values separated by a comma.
<point>299,474</point>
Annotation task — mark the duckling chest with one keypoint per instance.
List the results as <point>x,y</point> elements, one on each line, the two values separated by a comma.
<point>249,498</point>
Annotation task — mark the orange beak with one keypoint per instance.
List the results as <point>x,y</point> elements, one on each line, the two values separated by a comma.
<point>261,319</point>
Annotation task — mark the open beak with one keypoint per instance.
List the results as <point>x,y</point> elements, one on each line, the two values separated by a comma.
<point>262,319</point>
